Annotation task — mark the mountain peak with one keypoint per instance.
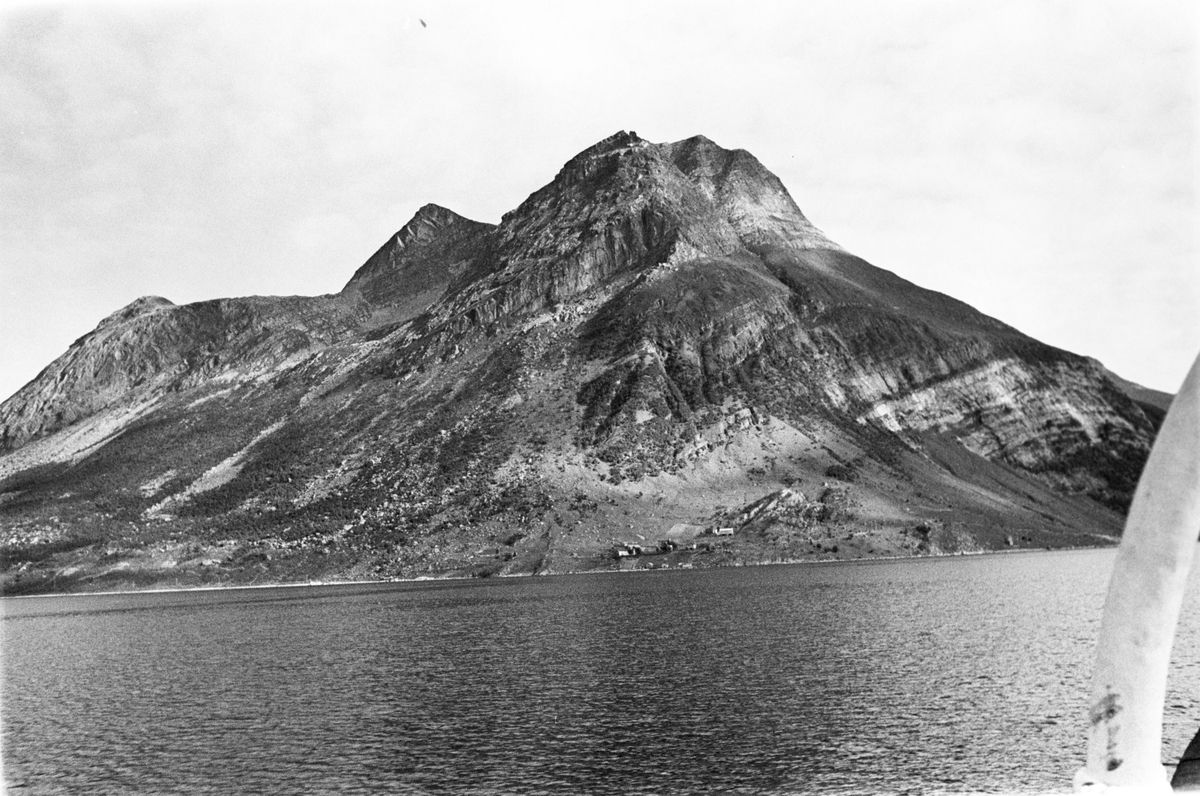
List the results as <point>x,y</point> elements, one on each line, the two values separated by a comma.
<point>621,139</point>
<point>426,226</point>
<point>682,200</point>
<point>145,304</point>
<point>696,142</point>
<point>501,394</point>
<point>425,223</point>
<point>416,264</point>
<point>750,196</point>
<point>598,159</point>
<point>139,306</point>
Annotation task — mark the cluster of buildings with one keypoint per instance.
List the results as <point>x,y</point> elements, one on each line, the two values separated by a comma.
<point>680,537</point>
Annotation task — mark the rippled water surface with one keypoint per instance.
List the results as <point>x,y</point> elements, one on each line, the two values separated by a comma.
<point>938,675</point>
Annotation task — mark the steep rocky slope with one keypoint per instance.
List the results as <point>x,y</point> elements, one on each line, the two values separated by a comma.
<point>153,346</point>
<point>657,339</point>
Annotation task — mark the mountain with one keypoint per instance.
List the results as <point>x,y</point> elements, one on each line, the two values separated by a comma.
<point>656,344</point>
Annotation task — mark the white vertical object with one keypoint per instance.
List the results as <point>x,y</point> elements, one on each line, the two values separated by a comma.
<point>1142,609</point>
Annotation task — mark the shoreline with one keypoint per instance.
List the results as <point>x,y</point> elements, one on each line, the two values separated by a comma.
<point>445,578</point>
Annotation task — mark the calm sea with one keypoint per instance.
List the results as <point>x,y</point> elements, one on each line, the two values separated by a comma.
<point>922,676</point>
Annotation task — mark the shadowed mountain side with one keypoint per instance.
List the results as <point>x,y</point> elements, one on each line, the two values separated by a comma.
<point>657,339</point>
<point>414,268</point>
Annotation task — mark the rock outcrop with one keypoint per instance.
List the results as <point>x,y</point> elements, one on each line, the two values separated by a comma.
<point>154,346</point>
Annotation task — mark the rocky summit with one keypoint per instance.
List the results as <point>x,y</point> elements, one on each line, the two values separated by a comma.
<point>655,361</point>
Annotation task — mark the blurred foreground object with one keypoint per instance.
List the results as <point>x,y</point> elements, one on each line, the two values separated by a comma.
<point>1142,610</point>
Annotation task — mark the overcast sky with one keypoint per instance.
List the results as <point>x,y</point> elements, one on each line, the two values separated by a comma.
<point>1035,159</point>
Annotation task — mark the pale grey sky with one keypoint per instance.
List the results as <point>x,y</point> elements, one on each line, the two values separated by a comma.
<point>1036,159</point>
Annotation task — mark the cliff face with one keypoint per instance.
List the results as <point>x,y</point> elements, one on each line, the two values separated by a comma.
<point>659,336</point>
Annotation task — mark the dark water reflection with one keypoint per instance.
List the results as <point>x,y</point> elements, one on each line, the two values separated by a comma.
<point>919,676</point>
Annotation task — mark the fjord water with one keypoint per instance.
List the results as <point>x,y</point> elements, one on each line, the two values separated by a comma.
<point>918,676</point>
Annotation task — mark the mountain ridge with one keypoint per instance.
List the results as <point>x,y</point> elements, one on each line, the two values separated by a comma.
<point>657,336</point>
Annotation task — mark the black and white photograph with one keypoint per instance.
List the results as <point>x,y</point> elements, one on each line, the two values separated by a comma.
<point>667,398</point>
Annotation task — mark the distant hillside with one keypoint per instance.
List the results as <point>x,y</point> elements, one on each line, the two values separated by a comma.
<point>1153,402</point>
<point>657,338</point>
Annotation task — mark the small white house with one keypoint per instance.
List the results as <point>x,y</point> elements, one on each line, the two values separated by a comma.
<point>723,531</point>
